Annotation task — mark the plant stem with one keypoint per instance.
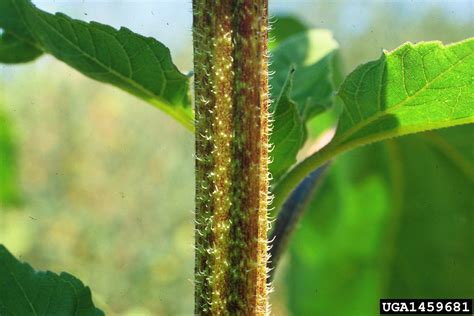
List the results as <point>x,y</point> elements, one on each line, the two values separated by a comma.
<point>231,97</point>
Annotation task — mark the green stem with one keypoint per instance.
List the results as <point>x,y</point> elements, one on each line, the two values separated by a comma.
<point>340,144</point>
<point>296,175</point>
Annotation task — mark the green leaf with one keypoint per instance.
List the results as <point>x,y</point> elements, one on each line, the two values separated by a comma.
<point>284,27</point>
<point>311,53</point>
<point>392,220</point>
<point>9,189</point>
<point>14,50</point>
<point>26,292</point>
<point>329,119</point>
<point>310,57</point>
<point>137,64</point>
<point>288,132</point>
<point>411,89</point>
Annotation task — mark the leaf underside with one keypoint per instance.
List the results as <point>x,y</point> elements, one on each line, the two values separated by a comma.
<point>139,65</point>
<point>24,291</point>
<point>392,220</point>
<point>14,50</point>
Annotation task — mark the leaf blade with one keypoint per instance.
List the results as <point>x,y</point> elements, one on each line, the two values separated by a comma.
<point>26,292</point>
<point>284,27</point>
<point>408,91</point>
<point>312,54</point>
<point>309,58</point>
<point>14,50</point>
<point>288,133</point>
<point>139,65</point>
<point>394,116</point>
<point>409,217</point>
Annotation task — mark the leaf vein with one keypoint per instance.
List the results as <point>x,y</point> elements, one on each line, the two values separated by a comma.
<point>365,123</point>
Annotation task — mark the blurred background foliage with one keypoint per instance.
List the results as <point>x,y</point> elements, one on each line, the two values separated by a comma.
<point>391,220</point>
<point>104,183</point>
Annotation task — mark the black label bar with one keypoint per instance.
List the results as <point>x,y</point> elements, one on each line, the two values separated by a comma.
<point>426,306</point>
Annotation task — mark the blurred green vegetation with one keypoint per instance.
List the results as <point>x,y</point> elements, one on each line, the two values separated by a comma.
<point>9,189</point>
<point>108,189</point>
<point>107,186</point>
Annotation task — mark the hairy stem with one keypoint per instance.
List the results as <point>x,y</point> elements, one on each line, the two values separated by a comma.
<point>231,97</point>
